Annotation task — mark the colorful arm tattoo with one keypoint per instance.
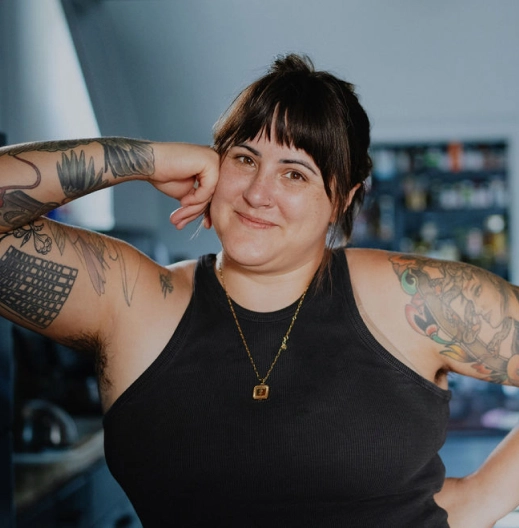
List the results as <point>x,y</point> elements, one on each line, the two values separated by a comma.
<point>466,310</point>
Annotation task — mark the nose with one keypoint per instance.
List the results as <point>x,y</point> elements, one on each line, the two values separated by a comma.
<point>259,191</point>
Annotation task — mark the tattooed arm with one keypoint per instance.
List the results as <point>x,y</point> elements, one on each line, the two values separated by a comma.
<point>36,178</point>
<point>81,288</point>
<point>472,316</point>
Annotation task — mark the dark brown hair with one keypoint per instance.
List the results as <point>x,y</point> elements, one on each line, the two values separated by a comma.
<point>313,111</point>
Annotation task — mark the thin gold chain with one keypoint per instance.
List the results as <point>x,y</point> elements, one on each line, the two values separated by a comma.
<point>240,331</point>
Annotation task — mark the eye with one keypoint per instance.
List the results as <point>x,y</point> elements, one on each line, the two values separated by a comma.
<point>245,160</point>
<point>295,175</point>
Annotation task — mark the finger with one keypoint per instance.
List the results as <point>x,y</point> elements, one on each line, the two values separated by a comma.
<point>184,222</point>
<point>198,195</point>
<point>189,198</point>
<point>184,215</point>
<point>203,189</point>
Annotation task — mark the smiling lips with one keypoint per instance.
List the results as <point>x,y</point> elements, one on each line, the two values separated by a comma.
<point>257,223</point>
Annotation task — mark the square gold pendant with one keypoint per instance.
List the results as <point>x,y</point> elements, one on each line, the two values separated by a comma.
<point>260,392</point>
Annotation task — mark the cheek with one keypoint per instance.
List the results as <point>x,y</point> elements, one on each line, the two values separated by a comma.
<point>321,208</point>
<point>224,196</point>
<point>225,188</point>
<point>314,213</point>
<point>229,181</point>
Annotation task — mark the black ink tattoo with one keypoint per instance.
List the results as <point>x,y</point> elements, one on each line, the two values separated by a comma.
<point>32,288</point>
<point>166,284</point>
<point>49,146</point>
<point>16,214</point>
<point>127,157</point>
<point>76,178</point>
<point>122,156</point>
<point>19,209</point>
<point>42,242</point>
<point>96,253</point>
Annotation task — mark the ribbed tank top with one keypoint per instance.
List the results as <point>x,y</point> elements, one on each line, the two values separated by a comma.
<point>349,436</point>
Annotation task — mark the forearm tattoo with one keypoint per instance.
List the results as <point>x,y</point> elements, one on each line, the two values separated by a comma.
<point>466,310</point>
<point>122,158</point>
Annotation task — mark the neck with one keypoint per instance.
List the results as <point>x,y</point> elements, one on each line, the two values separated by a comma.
<point>261,291</point>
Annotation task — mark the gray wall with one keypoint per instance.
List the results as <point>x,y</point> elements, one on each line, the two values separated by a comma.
<point>439,69</point>
<point>43,94</point>
<point>165,70</point>
<point>439,60</point>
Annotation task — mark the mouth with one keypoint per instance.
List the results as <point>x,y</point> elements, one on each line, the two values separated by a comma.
<point>251,221</point>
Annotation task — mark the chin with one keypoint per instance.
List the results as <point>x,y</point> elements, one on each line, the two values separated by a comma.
<point>246,249</point>
<point>249,254</point>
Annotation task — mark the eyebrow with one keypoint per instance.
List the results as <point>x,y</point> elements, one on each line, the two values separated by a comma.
<point>283,160</point>
<point>299,162</point>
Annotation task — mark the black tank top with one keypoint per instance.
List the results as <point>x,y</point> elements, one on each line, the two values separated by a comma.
<point>348,437</point>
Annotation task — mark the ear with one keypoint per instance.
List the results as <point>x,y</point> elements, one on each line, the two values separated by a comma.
<point>207,222</point>
<point>351,194</point>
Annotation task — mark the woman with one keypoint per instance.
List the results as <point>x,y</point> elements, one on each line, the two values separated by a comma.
<point>279,382</point>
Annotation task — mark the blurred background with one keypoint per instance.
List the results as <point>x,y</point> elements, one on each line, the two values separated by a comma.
<point>439,82</point>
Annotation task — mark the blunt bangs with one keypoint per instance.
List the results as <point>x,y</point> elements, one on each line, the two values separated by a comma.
<point>294,112</point>
<point>314,111</point>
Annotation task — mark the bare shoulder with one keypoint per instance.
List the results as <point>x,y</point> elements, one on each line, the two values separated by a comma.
<point>467,315</point>
<point>181,275</point>
<point>373,278</point>
<point>378,290</point>
<point>370,267</point>
<point>159,301</point>
<point>367,257</point>
<point>184,271</point>
<point>142,333</point>
<point>385,303</point>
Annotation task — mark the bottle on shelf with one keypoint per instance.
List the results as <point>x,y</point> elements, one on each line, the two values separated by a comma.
<point>460,188</point>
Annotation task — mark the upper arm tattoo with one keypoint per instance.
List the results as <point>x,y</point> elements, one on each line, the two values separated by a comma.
<point>36,289</point>
<point>470,312</point>
<point>165,283</point>
<point>97,254</point>
<point>33,288</point>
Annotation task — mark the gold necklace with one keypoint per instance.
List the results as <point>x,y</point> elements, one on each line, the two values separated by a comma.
<point>261,391</point>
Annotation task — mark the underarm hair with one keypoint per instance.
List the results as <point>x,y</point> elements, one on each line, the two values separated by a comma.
<point>91,344</point>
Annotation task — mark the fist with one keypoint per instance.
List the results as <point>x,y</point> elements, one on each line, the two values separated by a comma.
<point>188,173</point>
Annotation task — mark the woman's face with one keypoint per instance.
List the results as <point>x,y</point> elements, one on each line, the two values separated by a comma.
<point>488,301</point>
<point>270,209</point>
